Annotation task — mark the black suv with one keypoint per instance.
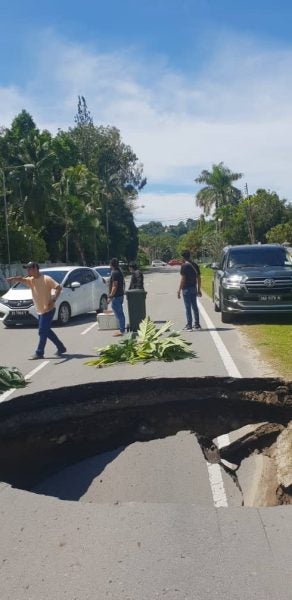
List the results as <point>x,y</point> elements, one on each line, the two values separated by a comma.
<point>253,279</point>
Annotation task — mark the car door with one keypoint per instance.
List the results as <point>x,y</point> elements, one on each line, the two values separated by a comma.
<point>77,296</point>
<point>90,286</point>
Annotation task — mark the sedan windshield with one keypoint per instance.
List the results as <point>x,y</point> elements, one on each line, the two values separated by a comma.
<point>103,271</point>
<point>257,257</point>
<point>58,276</point>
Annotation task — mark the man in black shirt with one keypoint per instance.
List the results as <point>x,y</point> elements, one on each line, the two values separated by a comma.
<point>137,279</point>
<point>190,286</point>
<point>116,294</point>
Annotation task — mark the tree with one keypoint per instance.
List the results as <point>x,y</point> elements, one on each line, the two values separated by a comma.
<point>76,207</point>
<point>219,190</point>
<point>81,190</point>
<point>152,228</point>
<point>267,212</point>
<point>280,233</point>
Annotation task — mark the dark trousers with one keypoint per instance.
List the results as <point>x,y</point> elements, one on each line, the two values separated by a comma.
<point>190,300</point>
<point>45,332</point>
<point>117,306</point>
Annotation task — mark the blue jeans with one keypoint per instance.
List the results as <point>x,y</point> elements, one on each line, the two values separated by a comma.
<point>190,300</point>
<point>117,306</point>
<point>45,332</point>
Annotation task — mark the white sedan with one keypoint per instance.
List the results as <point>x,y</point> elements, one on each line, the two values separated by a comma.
<point>158,263</point>
<point>83,291</point>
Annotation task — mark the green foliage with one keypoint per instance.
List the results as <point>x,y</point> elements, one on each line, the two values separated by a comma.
<point>150,344</point>
<point>280,233</point>
<point>26,242</point>
<point>263,210</point>
<point>75,174</point>
<point>142,258</point>
<point>11,377</point>
<point>267,211</point>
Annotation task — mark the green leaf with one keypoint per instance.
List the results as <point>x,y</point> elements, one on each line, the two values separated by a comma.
<point>148,345</point>
<point>11,377</point>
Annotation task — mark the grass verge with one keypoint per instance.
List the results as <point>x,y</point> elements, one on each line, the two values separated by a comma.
<point>272,339</point>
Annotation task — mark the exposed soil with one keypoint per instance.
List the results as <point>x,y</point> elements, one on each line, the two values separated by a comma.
<point>42,433</point>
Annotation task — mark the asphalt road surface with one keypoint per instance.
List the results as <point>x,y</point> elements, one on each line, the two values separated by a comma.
<point>152,520</point>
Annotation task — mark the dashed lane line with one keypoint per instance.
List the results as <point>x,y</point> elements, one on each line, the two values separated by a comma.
<point>88,329</point>
<point>214,470</point>
<point>6,395</point>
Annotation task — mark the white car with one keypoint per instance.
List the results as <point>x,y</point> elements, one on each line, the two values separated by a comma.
<point>158,263</point>
<point>83,291</point>
<point>105,272</point>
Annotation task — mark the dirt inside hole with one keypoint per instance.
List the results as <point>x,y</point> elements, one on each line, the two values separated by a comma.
<point>43,434</point>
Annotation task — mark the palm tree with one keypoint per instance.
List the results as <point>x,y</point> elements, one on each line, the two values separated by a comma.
<point>219,190</point>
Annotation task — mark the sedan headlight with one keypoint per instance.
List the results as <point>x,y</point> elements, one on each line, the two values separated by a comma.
<point>4,301</point>
<point>232,281</point>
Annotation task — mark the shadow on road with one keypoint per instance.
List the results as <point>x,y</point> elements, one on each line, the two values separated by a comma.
<point>66,357</point>
<point>73,482</point>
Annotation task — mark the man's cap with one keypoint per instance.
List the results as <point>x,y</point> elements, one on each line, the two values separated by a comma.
<point>31,265</point>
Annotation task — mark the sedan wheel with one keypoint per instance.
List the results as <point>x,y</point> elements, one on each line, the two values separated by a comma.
<point>64,313</point>
<point>103,305</point>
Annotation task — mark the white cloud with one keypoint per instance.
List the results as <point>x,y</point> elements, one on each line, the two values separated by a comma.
<point>166,208</point>
<point>12,101</point>
<point>238,109</point>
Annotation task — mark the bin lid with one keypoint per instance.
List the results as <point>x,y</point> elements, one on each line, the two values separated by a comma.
<point>138,291</point>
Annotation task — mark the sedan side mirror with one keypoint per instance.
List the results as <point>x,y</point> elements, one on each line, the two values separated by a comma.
<point>215,266</point>
<point>74,285</point>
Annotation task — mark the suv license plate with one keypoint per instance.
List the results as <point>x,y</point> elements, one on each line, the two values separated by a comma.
<point>19,313</point>
<point>270,298</point>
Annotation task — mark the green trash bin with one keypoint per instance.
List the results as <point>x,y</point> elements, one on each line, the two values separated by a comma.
<point>136,308</point>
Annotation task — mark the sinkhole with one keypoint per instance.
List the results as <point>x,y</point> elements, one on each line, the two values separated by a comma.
<point>57,441</point>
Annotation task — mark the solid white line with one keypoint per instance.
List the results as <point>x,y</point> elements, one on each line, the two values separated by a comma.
<point>225,356</point>
<point>214,470</point>
<point>88,329</point>
<point>217,485</point>
<point>6,395</point>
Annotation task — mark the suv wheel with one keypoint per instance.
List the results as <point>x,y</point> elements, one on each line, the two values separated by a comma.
<point>226,317</point>
<point>217,307</point>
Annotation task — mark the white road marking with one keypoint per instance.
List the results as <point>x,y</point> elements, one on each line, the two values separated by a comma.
<point>6,395</point>
<point>88,329</point>
<point>214,470</point>
<point>36,370</point>
<point>225,356</point>
<point>217,485</point>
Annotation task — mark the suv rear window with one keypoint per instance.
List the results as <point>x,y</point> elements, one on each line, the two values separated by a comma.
<point>261,256</point>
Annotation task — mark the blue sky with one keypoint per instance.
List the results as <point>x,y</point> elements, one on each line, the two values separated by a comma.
<point>188,82</point>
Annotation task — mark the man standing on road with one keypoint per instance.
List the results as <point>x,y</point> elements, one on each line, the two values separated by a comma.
<point>190,286</point>
<point>137,279</point>
<point>41,287</point>
<point>116,294</point>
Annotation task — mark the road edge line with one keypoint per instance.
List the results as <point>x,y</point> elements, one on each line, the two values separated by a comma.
<point>214,470</point>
